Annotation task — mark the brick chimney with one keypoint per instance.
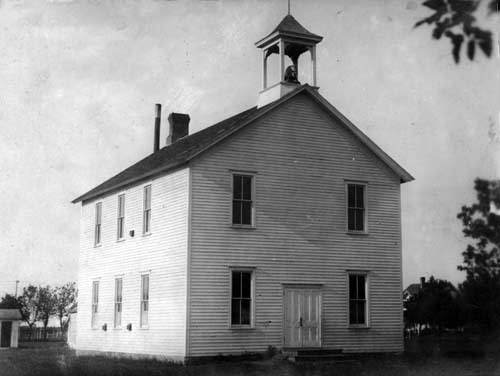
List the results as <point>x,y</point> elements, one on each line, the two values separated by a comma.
<point>156,146</point>
<point>422,282</point>
<point>179,127</point>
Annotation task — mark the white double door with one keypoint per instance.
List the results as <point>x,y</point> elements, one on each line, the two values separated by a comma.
<point>302,307</point>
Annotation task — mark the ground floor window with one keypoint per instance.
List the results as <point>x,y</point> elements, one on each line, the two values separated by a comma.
<point>144,300</point>
<point>241,297</point>
<point>358,311</point>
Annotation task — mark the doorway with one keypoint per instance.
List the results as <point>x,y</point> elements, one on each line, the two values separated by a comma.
<point>302,308</point>
<point>5,333</point>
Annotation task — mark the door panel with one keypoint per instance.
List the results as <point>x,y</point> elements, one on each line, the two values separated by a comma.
<point>302,317</point>
<point>5,333</point>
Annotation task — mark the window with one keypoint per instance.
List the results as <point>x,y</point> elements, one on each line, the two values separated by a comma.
<point>98,221</point>
<point>118,302</point>
<point>121,217</point>
<point>95,302</point>
<point>357,300</point>
<point>144,300</point>
<point>146,220</point>
<point>356,207</point>
<point>242,200</point>
<point>241,297</point>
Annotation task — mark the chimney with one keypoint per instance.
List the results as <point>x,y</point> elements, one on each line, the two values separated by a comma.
<point>179,127</point>
<point>156,146</point>
<point>422,282</point>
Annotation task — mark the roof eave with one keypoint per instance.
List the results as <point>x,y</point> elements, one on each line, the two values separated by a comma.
<point>313,38</point>
<point>149,174</point>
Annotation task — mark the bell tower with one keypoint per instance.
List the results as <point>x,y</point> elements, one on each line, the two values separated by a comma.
<point>289,39</point>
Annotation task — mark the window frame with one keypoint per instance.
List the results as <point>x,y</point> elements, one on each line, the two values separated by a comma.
<point>98,224</point>
<point>146,210</point>
<point>118,303</point>
<point>366,276</point>
<point>365,206</point>
<point>250,270</point>
<point>94,304</point>
<point>253,177</point>
<point>144,313</point>
<point>120,221</point>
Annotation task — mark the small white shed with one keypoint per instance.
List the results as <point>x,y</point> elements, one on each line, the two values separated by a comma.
<point>9,327</point>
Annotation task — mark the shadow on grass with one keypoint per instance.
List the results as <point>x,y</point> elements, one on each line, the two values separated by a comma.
<point>447,356</point>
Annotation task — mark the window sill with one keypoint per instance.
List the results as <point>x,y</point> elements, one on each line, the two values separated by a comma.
<point>120,240</point>
<point>145,327</point>
<point>244,227</point>
<point>147,234</point>
<point>352,232</point>
<point>242,327</point>
<point>118,328</point>
<point>358,326</point>
<point>98,245</point>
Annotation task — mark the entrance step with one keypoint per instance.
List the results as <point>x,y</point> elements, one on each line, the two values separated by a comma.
<point>320,354</point>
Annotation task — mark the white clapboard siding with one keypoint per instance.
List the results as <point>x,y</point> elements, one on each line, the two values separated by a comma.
<point>301,157</point>
<point>162,255</point>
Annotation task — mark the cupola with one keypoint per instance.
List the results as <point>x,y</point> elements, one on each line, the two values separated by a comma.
<point>289,40</point>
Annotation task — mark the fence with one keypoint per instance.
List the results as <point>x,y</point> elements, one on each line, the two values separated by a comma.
<point>38,334</point>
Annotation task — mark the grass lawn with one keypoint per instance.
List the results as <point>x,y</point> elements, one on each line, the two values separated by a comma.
<point>452,356</point>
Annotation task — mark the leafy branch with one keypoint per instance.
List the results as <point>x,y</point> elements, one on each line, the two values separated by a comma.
<point>456,20</point>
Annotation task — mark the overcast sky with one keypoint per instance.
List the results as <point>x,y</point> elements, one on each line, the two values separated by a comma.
<point>79,80</point>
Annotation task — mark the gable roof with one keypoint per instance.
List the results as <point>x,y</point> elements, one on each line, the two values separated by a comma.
<point>188,147</point>
<point>10,314</point>
<point>413,289</point>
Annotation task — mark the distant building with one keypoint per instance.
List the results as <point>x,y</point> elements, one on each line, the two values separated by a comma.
<point>413,289</point>
<point>9,327</point>
<point>279,226</point>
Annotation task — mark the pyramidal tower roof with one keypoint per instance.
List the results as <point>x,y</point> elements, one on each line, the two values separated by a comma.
<point>289,26</point>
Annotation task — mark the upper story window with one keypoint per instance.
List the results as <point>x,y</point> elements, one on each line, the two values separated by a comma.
<point>144,300</point>
<point>95,303</point>
<point>146,216</point>
<point>241,297</point>
<point>98,221</point>
<point>118,302</point>
<point>120,231</point>
<point>356,207</point>
<point>358,307</point>
<point>243,200</point>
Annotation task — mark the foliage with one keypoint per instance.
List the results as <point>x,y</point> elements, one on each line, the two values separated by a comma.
<point>437,305</point>
<point>481,223</point>
<point>65,297</point>
<point>28,301</point>
<point>38,303</point>
<point>456,20</point>
<point>9,301</point>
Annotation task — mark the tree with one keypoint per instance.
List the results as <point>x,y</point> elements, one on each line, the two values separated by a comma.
<point>29,307</point>
<point>65,297</point>
<point>481,223</point>
<point>456,20</point>
<point>437,305</point>
<point>10,301</point>
<point>46,306</point>
<point>37,304</point>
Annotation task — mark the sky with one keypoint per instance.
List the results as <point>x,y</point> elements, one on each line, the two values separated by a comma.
<point>79,80</point>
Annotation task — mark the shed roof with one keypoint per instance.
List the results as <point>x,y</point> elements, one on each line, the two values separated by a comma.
<point>186,148</point>
<point>10,314</point>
